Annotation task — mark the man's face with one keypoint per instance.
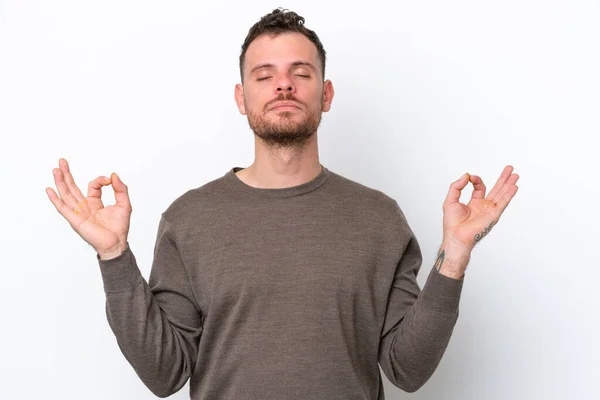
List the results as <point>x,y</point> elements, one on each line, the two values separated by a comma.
<point>283,93</point>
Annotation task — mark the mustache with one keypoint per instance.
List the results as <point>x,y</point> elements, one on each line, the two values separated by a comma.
<point>283,97</point>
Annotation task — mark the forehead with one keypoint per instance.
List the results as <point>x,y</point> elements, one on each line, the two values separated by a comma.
<point>281,49</point>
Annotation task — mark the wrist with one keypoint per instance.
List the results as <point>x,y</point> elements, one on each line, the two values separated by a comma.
<point>113,252</point>
<point>452,259</point>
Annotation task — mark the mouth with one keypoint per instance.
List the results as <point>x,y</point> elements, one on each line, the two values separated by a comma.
<point>284,106</point>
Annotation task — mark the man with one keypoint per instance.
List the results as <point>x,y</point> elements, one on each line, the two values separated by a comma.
<point>282,280</point>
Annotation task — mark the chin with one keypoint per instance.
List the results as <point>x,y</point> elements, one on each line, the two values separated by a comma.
<point>287,114</point>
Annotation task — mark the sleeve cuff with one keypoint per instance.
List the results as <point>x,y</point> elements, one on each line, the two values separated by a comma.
<point>120,274</point>
<point>442,293</point>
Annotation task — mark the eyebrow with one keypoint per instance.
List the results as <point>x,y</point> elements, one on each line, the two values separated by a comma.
<point>294,64</point>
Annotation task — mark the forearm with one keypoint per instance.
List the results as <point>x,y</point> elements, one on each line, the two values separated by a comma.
<point>161,353</point>
<point>422,337</point>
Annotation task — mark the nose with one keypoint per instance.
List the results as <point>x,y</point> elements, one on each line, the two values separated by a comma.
<point>285,84</point>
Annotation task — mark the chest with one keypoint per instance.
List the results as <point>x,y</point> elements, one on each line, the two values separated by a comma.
<point>292,261</point>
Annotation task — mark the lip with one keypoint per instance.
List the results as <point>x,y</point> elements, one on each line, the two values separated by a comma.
<point>284,105</point>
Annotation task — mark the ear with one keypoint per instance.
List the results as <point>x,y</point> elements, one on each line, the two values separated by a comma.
<point>239,98</point>
<point>328,93</point>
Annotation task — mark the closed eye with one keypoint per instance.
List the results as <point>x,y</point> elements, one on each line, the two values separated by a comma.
<point>262,79</point>
<point>304,76</point>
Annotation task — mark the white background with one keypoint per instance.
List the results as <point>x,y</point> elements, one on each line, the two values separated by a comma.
<point>425,91</point>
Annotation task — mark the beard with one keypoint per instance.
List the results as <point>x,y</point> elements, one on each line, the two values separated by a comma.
<point>284,132</point>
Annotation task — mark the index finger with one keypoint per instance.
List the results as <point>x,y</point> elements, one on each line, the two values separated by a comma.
<point>478,187</point>
<point>95,186</point>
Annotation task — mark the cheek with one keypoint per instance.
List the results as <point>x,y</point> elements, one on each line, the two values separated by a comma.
<point>251,105</point>
<point>255,101</point>
<point>316,101</point>
<point>312,95</point>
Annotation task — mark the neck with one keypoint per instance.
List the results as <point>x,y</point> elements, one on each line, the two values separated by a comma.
<point>275,168</point>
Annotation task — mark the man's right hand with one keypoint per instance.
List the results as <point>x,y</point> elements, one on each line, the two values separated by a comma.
<point>104,228</point>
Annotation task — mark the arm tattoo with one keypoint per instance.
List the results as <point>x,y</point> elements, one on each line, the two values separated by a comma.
<point>487,230</point>
<point>440,260</point>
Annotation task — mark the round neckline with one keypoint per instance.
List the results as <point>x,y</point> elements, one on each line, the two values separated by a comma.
<point>234,181</point>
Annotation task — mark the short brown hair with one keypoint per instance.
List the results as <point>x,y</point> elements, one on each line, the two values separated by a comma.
<point>277,22</point>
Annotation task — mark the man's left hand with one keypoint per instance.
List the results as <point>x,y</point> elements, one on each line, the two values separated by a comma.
<point>466,224</point>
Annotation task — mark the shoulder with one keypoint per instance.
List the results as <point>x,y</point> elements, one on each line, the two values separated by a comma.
<point>372,207</point>
<point>197,200</point>
<point>362,195</point>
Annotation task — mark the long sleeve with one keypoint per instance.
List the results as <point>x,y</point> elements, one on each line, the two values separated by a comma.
<point>418,324</point>
<point>158,323</point>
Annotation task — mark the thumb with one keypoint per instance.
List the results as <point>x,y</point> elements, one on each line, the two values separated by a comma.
<point>463,181</point>
<point>121,191</point>
<point>455,189</point>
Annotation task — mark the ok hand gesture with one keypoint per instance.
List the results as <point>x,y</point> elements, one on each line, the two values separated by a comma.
<point>467,224</point>
<point>104,228</point>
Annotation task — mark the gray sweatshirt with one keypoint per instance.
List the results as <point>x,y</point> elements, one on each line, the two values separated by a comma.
<point>293,293</point>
